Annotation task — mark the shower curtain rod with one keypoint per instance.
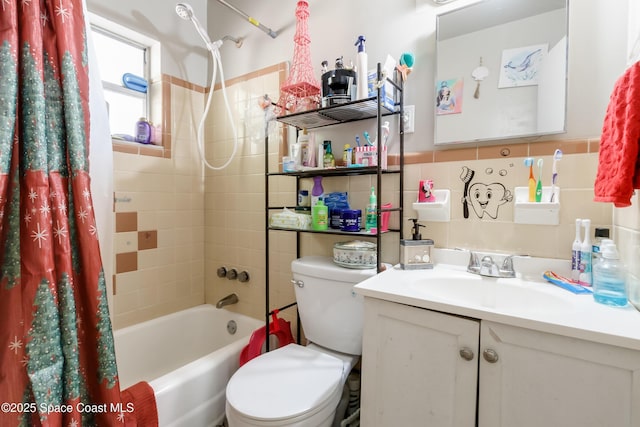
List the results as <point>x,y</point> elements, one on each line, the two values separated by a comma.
<point>252,20</point>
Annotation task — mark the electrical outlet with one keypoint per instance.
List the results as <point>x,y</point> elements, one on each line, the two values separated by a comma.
<point>409,118</point>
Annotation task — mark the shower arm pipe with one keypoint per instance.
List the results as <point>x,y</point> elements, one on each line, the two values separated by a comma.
<point>252,20</point>
<point>236,40</point>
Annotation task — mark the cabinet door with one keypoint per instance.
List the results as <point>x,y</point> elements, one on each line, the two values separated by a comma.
<point>412,370</point>
<point>544,379</point>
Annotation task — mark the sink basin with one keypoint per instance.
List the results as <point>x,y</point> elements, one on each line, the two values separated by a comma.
<point>490,293</point>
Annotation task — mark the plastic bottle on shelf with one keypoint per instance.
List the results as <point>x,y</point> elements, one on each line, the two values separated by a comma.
<point>313,151</point>
<point>295,155</point>
<point>601,236</point>
<point>303,140</point>
<point>320,216</point>
<point>346,155</point>
<point>328,160</point>
<point>362,89</point>
<point>320,154</point>
<point>143,131</point>
<point>609,278</point>
<point>317,192</point>
<point>371,216</point>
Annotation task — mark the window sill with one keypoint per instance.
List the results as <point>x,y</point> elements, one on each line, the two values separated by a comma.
<point>121,146</point>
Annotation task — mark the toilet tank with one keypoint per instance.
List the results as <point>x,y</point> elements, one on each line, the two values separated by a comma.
<point>330,311</point>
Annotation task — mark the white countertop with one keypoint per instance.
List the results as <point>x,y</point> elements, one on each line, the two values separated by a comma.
<point>538,304</point>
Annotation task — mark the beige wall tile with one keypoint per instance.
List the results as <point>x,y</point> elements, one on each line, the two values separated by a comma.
<point>628,217</point>
<point>214,220</point>
<point>126,242</point>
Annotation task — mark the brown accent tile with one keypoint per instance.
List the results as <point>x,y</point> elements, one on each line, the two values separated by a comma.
<point>455,155</point>
<point>166,118</point>
<point>503,151</point>
<point>147,239</point>
<point>412,158</point>
<point>547,148</point>
<point>151,151</point>
<point>126,221</point>
<point>185,84</point>
<point>114,284</point>
<point>123,147</point>
<point>594,145</point>
<point>126,262</point>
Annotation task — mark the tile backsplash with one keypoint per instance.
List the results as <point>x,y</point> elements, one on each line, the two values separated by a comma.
<point>181,226</point>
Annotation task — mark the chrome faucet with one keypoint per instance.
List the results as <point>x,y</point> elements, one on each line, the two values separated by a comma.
<point>228,300</point>
<point>486,266</point>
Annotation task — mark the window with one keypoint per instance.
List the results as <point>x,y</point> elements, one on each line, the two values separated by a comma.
<point>116,57</point>
<point>119,51</point>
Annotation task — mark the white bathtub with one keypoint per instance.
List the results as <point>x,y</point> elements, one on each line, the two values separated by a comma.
<point>187,357</point>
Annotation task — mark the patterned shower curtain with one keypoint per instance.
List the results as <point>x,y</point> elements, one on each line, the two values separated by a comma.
<point>57,358</point>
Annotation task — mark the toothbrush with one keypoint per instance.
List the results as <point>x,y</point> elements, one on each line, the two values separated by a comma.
<point>557,155</point>
<point>358,140</point>
<point>532,181</point>
<point>466,176</point>
<point>539,185</point>
<point>366,136</point>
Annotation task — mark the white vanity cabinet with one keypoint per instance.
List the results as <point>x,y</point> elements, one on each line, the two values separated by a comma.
<point>427,368</point>
<point>542,379</point>
<point>412,370</point>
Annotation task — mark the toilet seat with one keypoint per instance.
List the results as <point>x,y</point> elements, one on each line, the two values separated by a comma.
<point>286,385</point>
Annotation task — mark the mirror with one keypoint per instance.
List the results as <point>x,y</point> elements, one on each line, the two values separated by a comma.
<point>501,70</point>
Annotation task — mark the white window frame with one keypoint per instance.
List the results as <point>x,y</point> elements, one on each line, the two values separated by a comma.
<point>151,49</point>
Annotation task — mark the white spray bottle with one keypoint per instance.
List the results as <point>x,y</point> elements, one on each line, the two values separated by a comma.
<point>586,276</point>
<point>575,252</point>
<point>362,90</point>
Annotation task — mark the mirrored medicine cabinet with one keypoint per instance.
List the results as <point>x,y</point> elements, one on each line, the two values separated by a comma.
<point>501,71</point>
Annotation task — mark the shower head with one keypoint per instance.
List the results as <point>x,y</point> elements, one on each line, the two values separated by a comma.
<point>185,11</point>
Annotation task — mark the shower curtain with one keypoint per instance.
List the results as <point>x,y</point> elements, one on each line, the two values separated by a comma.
<point>57,358</point>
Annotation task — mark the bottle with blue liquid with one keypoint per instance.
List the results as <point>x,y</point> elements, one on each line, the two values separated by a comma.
<point>609,278</point>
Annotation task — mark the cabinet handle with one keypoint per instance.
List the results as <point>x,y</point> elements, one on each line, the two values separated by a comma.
<point>466,353</point>
<point>490,355</point>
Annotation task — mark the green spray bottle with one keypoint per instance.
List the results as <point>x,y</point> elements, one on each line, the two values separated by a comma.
<point>371,217</point>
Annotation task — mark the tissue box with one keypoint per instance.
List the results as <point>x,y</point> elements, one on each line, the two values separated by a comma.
<point>368,156</point>
<point>289,219</point>
<point>387,91</point>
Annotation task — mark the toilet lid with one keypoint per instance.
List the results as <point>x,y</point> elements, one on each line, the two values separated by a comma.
<point>284,383</point>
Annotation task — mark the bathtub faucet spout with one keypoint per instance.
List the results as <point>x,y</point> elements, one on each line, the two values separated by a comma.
<point>228,300</point>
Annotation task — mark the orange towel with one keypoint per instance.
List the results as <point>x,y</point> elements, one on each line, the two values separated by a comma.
<point>139,406</point>
<point>619,164</point>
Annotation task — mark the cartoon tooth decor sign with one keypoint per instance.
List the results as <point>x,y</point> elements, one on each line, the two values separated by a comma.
<point>485,199</point>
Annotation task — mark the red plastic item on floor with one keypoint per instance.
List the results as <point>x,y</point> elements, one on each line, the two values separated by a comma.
<point>279,331</point>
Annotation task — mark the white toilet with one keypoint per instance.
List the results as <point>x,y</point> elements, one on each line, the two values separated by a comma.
<point>301,386</point>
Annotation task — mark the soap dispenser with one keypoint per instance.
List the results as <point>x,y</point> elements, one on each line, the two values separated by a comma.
<point>415,254</point>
